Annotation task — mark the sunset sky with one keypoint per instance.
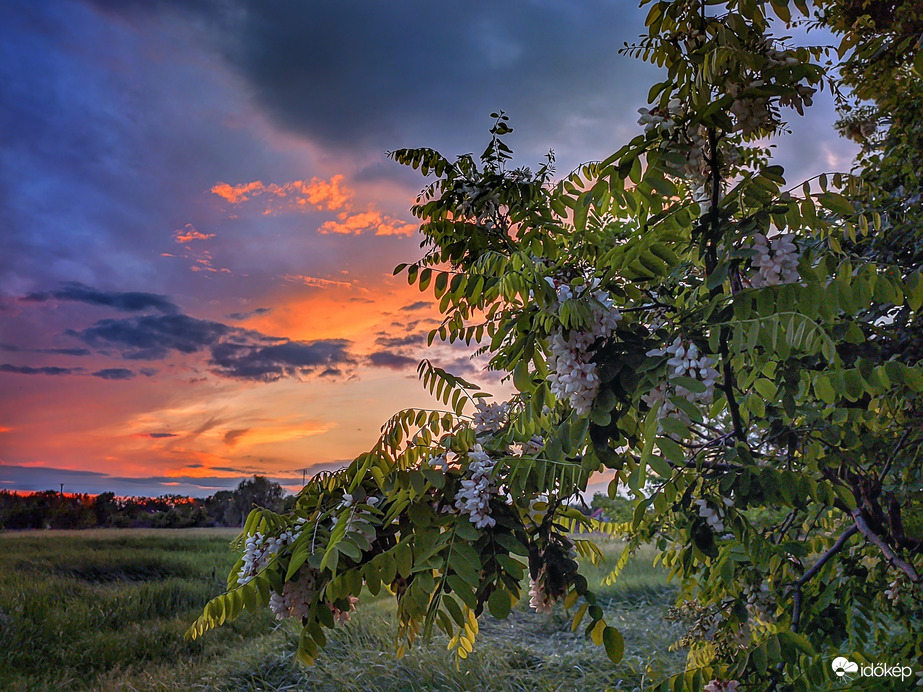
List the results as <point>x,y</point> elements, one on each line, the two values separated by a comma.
<point>199,222</point>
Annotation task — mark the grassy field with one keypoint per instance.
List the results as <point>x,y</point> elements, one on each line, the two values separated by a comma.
<point>106,609</point>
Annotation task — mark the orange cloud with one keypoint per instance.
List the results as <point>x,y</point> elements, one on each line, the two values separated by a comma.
<point>315,282</point>
<point>316,194</point>
<point>298,194</point>
<point>235,194</point>
<point>189,233</point>
<point>362,222</point>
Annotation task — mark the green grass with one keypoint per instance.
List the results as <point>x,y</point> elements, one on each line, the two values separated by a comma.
<point>106,609</point>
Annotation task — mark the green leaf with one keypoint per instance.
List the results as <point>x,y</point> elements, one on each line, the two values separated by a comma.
<point>836,203</point>
<point>717,277</point>
<point>500,603</point>
<point>766,389</point>
<point>671,451</point>
<point>660,465</point>
<point>824,390</point>
<point>614,643</point>
<point>403,559</point>
<point>693,385</point>
<point>510,543</point>
<point>675,427</point>
<point>521,377</point>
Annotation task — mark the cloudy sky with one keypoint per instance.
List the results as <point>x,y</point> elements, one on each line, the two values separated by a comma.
<point>200,224</point>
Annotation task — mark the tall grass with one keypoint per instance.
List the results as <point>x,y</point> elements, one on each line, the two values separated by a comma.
<point>98,608</point>
<point>106,609</point>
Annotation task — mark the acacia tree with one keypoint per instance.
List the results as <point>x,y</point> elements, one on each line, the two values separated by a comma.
<point>678,315</point>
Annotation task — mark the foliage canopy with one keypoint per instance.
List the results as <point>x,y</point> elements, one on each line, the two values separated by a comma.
<point>731,347</point>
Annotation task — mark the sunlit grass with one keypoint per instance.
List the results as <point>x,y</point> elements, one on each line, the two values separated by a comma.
<point>106,609</point>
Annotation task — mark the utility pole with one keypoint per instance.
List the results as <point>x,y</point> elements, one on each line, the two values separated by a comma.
<point>62,490</point>
<point>304,473</point>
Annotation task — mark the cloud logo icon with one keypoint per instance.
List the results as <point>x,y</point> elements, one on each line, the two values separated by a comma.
<point>842,666</point>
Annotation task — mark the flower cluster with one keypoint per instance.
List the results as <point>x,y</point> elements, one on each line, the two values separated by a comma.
<point>776,261</point>
<point>893,592</point>
<point>713,517</point>
<point>474,496</point>
<point>687,361</point>
<point>573,376</point>
<point>539,599</point>
<point>478,204</point>
<point>759,601</point>
<point>719,685</point>
<point>260,549</point>
<point>802,98</point>
<point>349,502</point>
<point>533,446</point>
<point>341,617</point>
<point>295,599</point>
<point>751,115</point>
<point>660,119</point>
<point>490,417</point>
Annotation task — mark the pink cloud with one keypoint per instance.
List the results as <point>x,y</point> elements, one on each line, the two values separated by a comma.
<point>189,233</point>
<point>316,282</point>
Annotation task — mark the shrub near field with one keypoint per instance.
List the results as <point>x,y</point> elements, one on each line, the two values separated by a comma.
<point>106,609</point>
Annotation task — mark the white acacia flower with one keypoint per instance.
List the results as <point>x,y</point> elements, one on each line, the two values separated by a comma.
<point>490,417</point>
<point>474,496</point>
<point>573,376</point>
<point>295,599</point>
<point>776,261</point>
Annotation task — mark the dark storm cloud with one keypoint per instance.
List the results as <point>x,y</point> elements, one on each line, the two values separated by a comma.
<point>393,361</point>
<point>46,370</point>
<point>358,74</point>
<point>115,374</point>
<point>131,301</point>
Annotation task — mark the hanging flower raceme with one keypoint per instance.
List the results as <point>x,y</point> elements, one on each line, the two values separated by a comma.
<point>539,599</point>
<point>660,119</point>
<point>759,601</point>
<point>776,260</point>
<point>476,490</point>
<point>719,685</point>
<point>752,116</point>
<point>685,361</point>
<point>259,549</point>
<point>573,376</point>
<point>490,417</point>
<point>713,517</point>
<point>296,597</point>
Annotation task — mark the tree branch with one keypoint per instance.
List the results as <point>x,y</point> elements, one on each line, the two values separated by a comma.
<point>893,558</point>
<point>807,576</point>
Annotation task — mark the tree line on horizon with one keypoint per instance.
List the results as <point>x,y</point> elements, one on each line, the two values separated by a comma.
<point>51,509</point>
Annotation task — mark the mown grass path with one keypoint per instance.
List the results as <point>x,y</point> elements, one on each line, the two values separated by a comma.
<point>106,610</point>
